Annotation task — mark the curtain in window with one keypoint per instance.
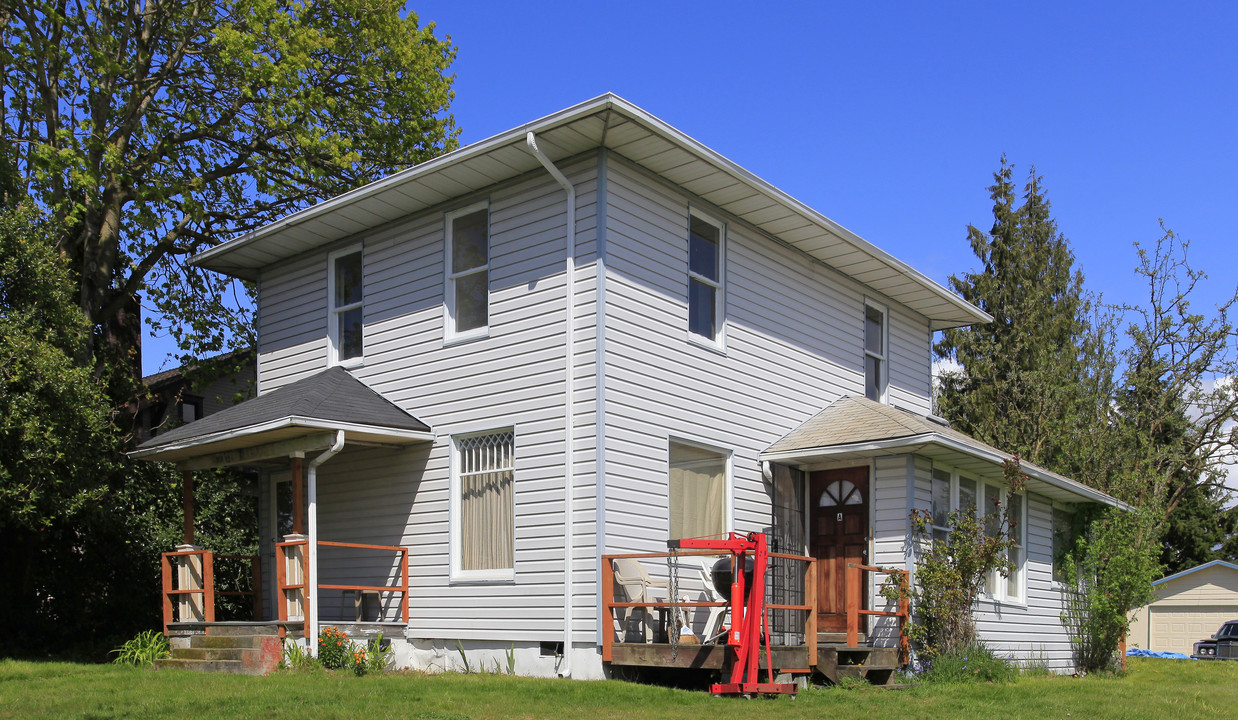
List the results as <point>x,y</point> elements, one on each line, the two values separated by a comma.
<point>697,492</point>
<point>487,526</point>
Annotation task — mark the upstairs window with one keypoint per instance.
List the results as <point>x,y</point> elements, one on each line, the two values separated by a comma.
<point>875,355</point>
<point>345,301</point>
<point>705,278</point>
<point>468,272</point>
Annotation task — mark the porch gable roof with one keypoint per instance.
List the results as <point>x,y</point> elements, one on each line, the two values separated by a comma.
<point>856,428</point>
<point>297,416</point>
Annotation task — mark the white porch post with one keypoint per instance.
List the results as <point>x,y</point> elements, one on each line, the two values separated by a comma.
<point>311,616</point>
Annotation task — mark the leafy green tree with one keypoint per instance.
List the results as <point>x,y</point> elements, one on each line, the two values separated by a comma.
<point>56,441</point>
<point>1023,381</point>
<point>150,131</point>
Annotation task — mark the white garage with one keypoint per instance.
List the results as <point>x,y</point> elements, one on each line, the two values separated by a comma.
<point>1188,607</point>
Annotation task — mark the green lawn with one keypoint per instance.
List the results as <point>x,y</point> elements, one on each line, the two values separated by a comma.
<point>1162,689</point>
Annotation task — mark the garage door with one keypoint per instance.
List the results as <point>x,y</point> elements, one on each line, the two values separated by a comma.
<point>1178,629</point>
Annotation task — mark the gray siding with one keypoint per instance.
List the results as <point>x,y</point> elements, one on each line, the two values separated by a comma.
<point>514,377</point>
<point>794,343</point>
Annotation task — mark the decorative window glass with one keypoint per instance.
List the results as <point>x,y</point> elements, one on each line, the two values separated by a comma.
<point>345,300</point>
<point>698,491</point>
<point>484,509</point>
<point>468,272</point>
<point>875,364</point>
<point>1014,582</point>
<point>941,504</point>
<point>1063,540</point>
<point>840,492</point>
<point>704,278</point>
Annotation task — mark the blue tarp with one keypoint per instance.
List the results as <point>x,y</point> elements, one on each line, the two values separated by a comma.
<point>1139,652</point>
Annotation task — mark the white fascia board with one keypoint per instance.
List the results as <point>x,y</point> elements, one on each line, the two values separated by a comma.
<point>910,443</point>
<point>281,424</point>
<point>743,175</point>
<point>636,114</point>
<point>454,157</point>
<point>1196,569</point>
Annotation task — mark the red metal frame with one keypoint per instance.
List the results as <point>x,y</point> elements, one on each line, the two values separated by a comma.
<point>749,622</point>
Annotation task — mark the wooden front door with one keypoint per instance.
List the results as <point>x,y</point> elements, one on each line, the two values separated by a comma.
<point>838,506</point>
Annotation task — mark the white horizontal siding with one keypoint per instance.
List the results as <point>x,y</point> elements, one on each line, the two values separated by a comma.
<point>793,344</point>
<point>1031,632</point>
<point>514,377</point>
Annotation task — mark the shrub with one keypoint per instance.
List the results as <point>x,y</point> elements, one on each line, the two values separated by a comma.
<point>143,650</point>
<point>334,649</point>
<point>379,655</point>
<point>298,658</point>
<point>973,664</point>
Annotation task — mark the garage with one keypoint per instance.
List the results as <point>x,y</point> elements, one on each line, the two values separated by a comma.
<point>1177,629</point>
<point>1187,607</point>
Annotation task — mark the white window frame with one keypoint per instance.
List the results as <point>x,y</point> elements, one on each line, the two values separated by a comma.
<point>883,394</point>
<point>450,334</point>
<point>995,588</point>
<point>728,511</point>
<point>457,573</point>
<point>718,342</point>
<point>333,312</point>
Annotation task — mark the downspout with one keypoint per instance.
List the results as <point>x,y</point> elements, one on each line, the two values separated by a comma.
<point>568,423</point>
<point>311,482</point>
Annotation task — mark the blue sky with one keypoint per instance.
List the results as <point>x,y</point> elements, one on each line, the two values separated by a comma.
<point>890,117</point>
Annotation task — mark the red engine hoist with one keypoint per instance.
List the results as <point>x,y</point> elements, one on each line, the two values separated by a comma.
<point>749,623</point>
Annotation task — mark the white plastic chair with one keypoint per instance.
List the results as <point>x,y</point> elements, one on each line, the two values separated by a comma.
<point>636,585</point>
<point>713,623</point>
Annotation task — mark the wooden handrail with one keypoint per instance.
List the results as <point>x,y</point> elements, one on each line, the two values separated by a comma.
<point>207,591</point>
<point>609,604</point>
<point>401,587</point>
<point>854,611</point>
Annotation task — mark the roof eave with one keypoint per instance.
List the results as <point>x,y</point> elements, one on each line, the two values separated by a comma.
<point>397,436</point>
<point>911,442</point>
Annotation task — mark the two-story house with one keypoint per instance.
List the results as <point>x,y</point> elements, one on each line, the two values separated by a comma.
<point>580,338</point>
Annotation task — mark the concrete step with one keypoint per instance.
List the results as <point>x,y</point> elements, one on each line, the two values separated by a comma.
<point>212,666</point>
<point>209,653</point>
<point>230,641</point>
<point>244,629</point>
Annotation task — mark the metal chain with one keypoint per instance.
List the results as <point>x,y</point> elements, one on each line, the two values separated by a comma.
<point>672,570</point>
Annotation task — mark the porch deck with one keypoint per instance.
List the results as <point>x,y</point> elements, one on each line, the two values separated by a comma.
<point>833,655</point>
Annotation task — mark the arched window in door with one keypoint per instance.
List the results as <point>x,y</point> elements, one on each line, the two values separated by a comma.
<point>840,492</point>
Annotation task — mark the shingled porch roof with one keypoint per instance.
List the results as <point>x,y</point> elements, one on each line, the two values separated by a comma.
<point>303,415</point>
<point>855,428</point>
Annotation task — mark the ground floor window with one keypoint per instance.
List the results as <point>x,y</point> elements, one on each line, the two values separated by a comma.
<point>697,488</point>
<point>952,491</point>
<point>483,476</point>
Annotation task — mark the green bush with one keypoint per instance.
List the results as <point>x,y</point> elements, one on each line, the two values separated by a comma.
<point>143,650</point>
<point>974,664</point>
<point>334,649</point>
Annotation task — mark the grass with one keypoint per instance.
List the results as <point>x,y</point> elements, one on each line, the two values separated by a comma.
<point>1152,689</point>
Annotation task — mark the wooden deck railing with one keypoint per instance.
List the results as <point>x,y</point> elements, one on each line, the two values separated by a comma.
<point>300,600</point>
<point>188,579</point>
<point>194,576</point>
<point>854,602</point>
<point>609,604</point>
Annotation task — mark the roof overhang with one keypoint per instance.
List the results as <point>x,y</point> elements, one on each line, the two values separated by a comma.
<point>979,460</point>
<point>608,122</point>
<point>275,439</point>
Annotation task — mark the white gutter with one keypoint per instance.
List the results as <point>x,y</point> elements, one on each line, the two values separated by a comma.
<point>568,422</point>
<point>914,443</point>
<point>291,421</point>
<point>311,481</point>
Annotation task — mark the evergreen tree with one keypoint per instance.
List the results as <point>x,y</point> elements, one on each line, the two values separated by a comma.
<point>1023,383</point>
